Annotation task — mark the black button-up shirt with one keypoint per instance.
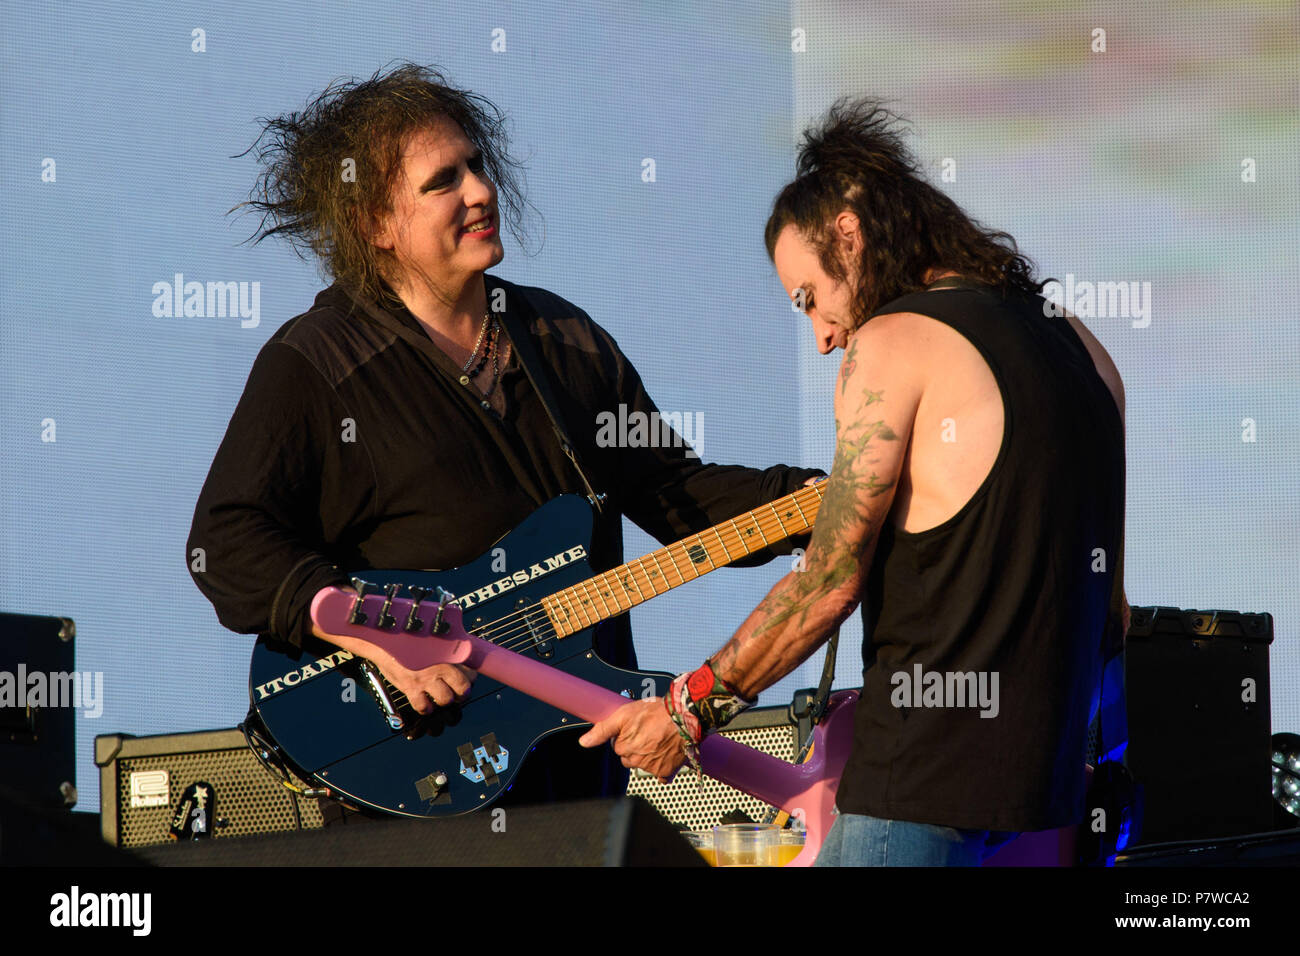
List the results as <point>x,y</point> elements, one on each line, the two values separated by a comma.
<point>359,444</point>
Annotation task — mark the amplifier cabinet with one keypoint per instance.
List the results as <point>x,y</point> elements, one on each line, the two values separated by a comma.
<point>772,730</point>
<point>36,728</point>
<point>1198,722</point>
<point>142,780</point>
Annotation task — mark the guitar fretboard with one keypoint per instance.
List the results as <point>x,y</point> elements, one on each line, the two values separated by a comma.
<point>623,588</point>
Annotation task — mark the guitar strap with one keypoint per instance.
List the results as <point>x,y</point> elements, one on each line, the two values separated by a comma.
<point>522,340</point>
<point>817,706</point>
<point>814,709</point>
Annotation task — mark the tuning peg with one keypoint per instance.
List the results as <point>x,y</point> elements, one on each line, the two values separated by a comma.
<point>386,619</point>
<point>355,616</point>
<point>439,625</point>
<point>413,621</point>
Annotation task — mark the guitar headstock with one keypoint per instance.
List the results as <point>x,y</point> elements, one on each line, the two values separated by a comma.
<point>417,630</point>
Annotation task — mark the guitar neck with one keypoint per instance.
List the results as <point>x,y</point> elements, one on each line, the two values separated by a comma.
<point>623,588</point>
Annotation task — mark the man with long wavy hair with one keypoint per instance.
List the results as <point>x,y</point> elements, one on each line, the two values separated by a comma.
<point>392,425</point>
<point>975,511</point>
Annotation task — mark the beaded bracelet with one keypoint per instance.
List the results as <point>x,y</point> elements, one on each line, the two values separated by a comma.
<point>689,744</point>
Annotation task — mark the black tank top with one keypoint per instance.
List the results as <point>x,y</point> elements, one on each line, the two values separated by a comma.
<point>1002,609</point>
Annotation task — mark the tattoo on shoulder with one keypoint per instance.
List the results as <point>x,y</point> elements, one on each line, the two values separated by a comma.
<point>846,372</point>
<point>849,365</point>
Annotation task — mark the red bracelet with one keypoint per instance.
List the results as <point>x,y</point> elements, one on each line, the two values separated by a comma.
<point>703,701</point>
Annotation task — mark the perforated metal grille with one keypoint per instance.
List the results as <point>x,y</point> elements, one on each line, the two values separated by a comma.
<point>685,804</point>
<point>248,798</point>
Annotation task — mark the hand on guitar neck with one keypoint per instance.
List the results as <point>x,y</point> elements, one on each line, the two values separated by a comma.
<point>440,684</point>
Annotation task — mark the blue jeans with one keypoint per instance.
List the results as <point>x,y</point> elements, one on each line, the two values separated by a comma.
<point>857,840</point>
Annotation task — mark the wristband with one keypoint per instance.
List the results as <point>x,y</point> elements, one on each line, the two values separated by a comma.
<point>700,702</point>
<point>689,747</point>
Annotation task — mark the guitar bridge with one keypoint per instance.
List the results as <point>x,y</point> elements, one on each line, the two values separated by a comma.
<point>374,682</point>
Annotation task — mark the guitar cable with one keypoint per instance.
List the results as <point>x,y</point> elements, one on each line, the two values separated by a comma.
<point>268,756</point>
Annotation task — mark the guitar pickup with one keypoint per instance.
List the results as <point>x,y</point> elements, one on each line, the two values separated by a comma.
<point>483,764</point>
<point>534,619</point>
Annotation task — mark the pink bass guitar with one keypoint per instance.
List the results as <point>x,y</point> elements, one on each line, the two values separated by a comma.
<point>806,791</point>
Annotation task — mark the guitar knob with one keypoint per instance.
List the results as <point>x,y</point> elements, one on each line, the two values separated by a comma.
<point>432,787</point>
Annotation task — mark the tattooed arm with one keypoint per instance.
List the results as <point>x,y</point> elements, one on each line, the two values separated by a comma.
<point>875,405</point>
<point>876,399</point>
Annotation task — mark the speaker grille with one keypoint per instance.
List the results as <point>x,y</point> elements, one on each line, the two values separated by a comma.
<point>248,798</point>
<point>684,803</point>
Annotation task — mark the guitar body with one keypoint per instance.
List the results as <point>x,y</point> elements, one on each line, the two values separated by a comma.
<point>315,704</point>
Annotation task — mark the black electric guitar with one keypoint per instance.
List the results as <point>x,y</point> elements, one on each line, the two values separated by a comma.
<point>334,719</point>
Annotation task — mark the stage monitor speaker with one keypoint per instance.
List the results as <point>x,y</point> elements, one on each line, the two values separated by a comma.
<point>773,730</point>
<point>624,832</point>
<point>1198,721</point>
<point>39,694</point>
<point>1260,849</point>
<point>143,780</point>
<point>32,835</point>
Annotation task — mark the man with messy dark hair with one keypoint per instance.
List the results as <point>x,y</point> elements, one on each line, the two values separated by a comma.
<point>329,170</point>
<point>392,425</point>
<point>974,510</point>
